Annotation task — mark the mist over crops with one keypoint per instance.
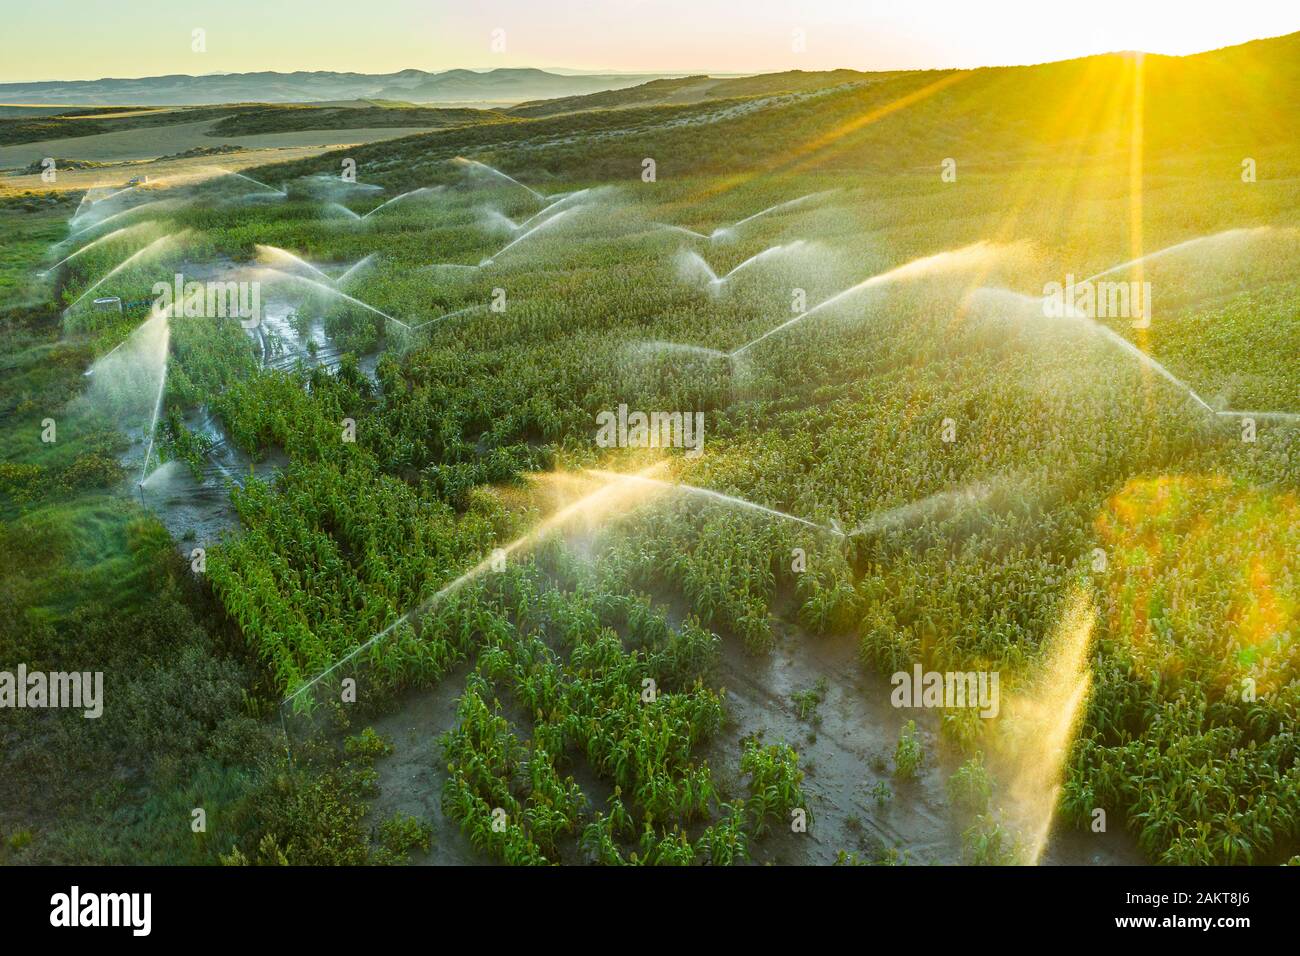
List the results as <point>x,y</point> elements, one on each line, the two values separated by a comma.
<point>348,478</point>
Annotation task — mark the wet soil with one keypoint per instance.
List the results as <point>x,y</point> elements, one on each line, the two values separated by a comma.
<point>846,749</point>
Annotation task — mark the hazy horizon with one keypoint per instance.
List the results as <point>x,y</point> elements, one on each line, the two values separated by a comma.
<point>666,37</point>
<point>597,71</point>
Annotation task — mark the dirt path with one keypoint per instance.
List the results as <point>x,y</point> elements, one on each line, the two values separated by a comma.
<point>412,776</point>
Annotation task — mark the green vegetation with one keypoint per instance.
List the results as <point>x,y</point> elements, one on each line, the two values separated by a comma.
<point>909,754</point>
<point>91,121</point>
<point>400,835</point>
<point>235,120</point>
<point>774,786</point>
<point>987,843</point>
<point>970,787</point>
<point>281,119</point>
<point>807,701</point>
<point>593,722</point>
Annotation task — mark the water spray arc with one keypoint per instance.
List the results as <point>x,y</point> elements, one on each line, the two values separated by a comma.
<point>531,232</point>
<point>563,201</point>
<point>116,233</point>
<point>261,185</point>
<point>450,315</point>
<point>332,291</point>
<point>1036,305</point>
<point>275,252</point>
<point>154,204</point>
<point>475,165</point>
<point>347,213</point>
<point>927,265</point>
<point>691,264</point>
<point>726,232</point>
<point>729,500</point>
<point>87,206</point>
<point>135,256</point>
<point>1213,238</point>
<point>406,195</point>
<point>612,493</point>
<point>363,263</point>
<point>940,262</point>
<point>163,316</point>
<point>1039,725</point>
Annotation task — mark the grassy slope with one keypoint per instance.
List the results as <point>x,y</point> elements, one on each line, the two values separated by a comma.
<point>91,582</point>
<point>80,121</point>
<point>1045,156</point>
<point>234,120</point>
<point>891,123</point>
<point>694,89</point>
<point>275,119</point>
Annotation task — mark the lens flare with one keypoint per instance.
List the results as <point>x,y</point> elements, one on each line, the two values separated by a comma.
<point>1039,724</point>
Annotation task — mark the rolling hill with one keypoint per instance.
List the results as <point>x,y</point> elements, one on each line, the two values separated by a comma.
<point>1236,98</point>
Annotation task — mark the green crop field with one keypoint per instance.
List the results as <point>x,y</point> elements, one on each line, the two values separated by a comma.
<point>382,569</point>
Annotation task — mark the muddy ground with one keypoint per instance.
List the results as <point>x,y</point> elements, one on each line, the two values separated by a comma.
<point>846,751</point>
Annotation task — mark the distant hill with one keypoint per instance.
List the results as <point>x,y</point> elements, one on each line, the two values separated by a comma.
<point>505,86</point>
<point>497,87</point>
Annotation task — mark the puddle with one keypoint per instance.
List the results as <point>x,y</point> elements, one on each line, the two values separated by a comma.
<point>198,511</point>
<point>282,346</point>
<point>844,754</point>
<point>849,751</point>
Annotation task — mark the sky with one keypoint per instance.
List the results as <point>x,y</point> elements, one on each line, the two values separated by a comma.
<point>90,39</point>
